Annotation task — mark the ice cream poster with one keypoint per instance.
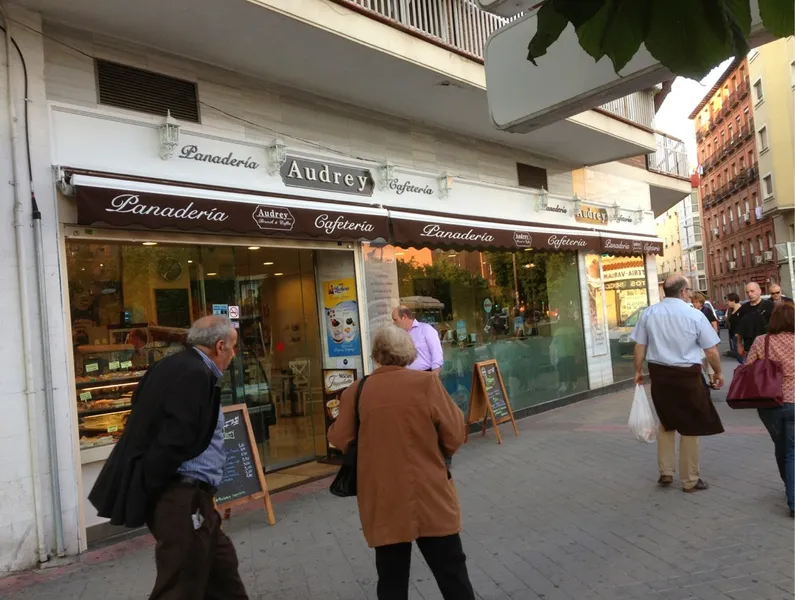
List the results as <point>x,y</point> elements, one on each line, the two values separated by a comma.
<point>341,318</point>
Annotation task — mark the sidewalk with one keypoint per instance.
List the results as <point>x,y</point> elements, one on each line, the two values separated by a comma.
<point>568,510</point>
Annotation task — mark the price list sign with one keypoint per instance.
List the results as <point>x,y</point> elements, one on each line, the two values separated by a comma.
<point>243,479</point>
<point>489,399</point>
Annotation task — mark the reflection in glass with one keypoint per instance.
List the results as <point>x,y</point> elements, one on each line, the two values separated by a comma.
<point>521,308</point>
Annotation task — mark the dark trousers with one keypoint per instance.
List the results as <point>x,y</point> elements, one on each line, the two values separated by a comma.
<point>195,560</point>
<point>780,424</point>
<point>444,555</point>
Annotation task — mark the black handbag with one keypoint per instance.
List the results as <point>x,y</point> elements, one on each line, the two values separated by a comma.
<point>344,484</point>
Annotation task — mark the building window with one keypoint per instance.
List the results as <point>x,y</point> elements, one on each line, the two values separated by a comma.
<point>747,207</point>
<point>742,163</point>
<point>767,183</point>
<point>758,93</point>
<point>769,240</point>
<point>759,243</point>
<point>755,200</point>
<point>751,247</point>
<point>763,143</point>
<point>532,177</point>
<point>734,252</point>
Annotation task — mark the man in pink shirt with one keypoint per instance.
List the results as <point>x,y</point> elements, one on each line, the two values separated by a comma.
<point>426,340</point>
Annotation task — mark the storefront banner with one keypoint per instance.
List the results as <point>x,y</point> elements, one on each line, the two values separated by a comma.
<point>342,317</point>
<point>316,175</point>
<point>178,208</point>
<point>425,231</point>
<point>596,304</point>
<point>630,246</point>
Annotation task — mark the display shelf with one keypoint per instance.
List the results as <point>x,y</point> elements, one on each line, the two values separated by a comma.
<point>103,411</point>
<point>108,383</point>
<point>104,349</point>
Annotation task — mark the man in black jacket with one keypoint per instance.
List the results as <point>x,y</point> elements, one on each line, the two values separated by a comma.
<point>752,319</point>
<point>166,467</point>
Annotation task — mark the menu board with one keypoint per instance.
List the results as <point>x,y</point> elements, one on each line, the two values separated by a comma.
<point>335,381</point>
<point>243,479</point>
<point>488,398</point>
<point>381,281</point>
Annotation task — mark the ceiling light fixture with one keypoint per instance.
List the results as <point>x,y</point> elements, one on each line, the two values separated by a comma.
<point>211,274</point>
<point>268,264</point>
<point>253,247</point>
<point>149,244</point>
<point>277,274</point>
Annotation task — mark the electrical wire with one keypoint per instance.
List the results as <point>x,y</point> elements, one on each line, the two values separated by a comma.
<point>27,121</point>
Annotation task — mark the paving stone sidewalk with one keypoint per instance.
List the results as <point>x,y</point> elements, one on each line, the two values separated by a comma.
<point>568,510</point>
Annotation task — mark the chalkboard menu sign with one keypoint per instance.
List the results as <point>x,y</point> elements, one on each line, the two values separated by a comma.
<point>488,398</point>
<point>243,479</point>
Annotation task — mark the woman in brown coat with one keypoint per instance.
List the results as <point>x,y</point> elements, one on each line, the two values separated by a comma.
<point>408,425</point>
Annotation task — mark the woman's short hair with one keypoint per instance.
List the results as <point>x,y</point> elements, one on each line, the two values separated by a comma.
<point>393,347</point>
<point>698,297</point>
<point>783,318</point>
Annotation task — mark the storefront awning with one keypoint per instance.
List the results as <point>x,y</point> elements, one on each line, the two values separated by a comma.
<point>422,230</point>
<point>137,204</point>
<point>617,244</point>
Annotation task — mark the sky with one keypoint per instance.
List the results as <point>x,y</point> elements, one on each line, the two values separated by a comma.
<point>685,95</point>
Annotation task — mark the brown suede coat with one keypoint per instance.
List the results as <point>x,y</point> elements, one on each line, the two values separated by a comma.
<point>407,422</point>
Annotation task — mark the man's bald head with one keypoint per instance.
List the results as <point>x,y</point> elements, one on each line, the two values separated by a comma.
<point>754,292</point>
<point>403,317</point>
<point>675,285</point>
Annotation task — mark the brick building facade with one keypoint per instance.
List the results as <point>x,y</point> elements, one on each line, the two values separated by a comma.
<point>739,240</point>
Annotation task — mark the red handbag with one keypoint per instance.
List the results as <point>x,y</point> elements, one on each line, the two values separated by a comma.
<point>757,385</point>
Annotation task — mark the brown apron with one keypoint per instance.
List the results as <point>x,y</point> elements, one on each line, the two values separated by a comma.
<point>682,400</point>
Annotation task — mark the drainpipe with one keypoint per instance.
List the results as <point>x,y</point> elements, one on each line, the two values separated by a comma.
<point>24,303</point>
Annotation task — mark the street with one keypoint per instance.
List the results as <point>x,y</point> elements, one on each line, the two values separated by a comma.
<point>568,510</point>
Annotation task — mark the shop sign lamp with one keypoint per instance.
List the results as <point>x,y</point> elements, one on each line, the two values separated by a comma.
<point>169,137</point>
<point>543,200</point>
<point>277,156</point>
<point>616,210</point>
<point>387,172</point>
<point>576,203</point>
<point>445,185</point>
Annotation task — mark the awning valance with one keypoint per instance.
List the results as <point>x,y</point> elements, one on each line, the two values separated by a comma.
<point>630,245</point>
<point>124,203</point>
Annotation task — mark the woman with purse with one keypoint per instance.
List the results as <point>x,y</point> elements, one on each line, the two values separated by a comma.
<point>779,421</point>
<point>407,424</point>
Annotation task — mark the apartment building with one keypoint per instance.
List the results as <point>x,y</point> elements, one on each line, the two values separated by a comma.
<point>691,234</point>
<point>771,70</point>
<point>301,167</point>
<point>669,231</point>
<point>739,237</point>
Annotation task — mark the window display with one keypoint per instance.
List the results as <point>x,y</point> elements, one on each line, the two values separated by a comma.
<point>520,308</point>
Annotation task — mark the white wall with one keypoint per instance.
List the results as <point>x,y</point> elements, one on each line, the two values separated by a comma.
<point>18,533</point>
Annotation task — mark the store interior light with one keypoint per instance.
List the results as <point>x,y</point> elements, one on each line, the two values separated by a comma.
<point>452,255</point>
<point>399,253</point>
<point>253,247</point>
<point>277,274</point>
<point>190,261</point>
<point>268,264</point>
<point>211,274</point>
<point>149,244</point>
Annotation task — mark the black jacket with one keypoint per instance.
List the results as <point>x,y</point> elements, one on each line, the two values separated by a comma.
<point>174,414</point>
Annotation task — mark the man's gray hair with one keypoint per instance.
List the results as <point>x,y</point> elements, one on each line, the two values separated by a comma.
<point>208,331</point>
<point>673,286</point>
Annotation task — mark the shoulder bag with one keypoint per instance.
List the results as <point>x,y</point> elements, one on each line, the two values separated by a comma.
<point>757,385</point>
<point>344,484</point>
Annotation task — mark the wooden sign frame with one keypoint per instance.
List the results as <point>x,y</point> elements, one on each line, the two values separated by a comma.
<point>479,405</point>
<point>263,494</point>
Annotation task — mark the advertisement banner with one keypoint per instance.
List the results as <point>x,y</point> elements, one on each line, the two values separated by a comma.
<point>342,317</point>
<point>596,304</point>
<point>335,381</point>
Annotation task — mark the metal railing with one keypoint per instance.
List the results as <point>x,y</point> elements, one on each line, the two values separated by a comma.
<point>463,27</point>
<point>638,107</point>
<point>670,158</point>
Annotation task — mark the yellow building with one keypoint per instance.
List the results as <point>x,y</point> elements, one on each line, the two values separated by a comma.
<point>668,231</point>
<point>772,74</point>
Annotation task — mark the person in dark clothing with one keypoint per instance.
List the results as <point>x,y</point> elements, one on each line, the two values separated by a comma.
<point>166,467</point>
<point>753,318</point>
<point>733,302</point>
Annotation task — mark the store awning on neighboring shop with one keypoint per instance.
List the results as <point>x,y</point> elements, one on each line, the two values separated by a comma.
<point>424,230</point>
<point>618,244</point>
<point>140,204</point>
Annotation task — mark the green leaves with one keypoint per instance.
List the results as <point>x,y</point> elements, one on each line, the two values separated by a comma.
<point>689,37</point>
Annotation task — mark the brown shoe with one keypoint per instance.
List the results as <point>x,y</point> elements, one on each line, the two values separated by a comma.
<point>665,480</point>
<point>700,485</point>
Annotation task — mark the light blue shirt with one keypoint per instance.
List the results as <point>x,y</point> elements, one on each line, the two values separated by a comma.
<point>674,333</point>
<point>209,465</point>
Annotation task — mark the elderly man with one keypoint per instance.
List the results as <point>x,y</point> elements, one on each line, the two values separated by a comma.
<point>752,319</point>
<point>165,468</point>
<point>775,294</point>
<point>425,338</point>
<point>671,335</point>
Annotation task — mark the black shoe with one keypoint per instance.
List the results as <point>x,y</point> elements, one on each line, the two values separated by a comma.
<point>700,485</point>
<point>665,480</point>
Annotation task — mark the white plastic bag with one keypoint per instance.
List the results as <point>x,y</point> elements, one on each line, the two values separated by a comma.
<point>642,421</point>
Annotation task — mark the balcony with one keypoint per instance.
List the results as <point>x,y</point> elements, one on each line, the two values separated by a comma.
<point>670,158</point>
<point>637,108</point>
<point>419,60</point>
<point>725,150</point>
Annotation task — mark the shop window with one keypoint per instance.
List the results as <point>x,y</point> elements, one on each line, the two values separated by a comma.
<point>532,177</point>
<point>144,91</point>
<point>522,309</point>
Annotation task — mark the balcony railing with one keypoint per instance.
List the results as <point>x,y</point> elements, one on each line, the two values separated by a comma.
<point>724,150</point>
<point>461,26</point>
<point>670,158</point>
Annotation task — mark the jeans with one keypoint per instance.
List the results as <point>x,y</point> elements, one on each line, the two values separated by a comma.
<point>780,423</point>
<point>444,555</point>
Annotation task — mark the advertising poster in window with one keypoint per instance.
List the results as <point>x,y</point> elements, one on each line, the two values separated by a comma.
<point>596,304</point>
<point>341,317</point>
<point>335,381</point>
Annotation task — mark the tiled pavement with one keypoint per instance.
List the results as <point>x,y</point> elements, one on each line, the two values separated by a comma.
<point>568,510</point>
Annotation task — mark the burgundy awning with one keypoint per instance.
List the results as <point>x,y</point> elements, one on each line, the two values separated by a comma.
<point>119,203</point>
<point>617,244</point>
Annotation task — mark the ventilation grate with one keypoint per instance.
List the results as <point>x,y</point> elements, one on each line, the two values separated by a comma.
<point>145,91</point>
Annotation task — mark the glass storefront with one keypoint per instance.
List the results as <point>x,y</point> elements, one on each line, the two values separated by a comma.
<point>132,304</point>
<point>521,308</point>
<point>626,297</point>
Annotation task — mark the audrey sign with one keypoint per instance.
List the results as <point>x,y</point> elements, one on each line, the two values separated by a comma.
<point>310,174</point>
